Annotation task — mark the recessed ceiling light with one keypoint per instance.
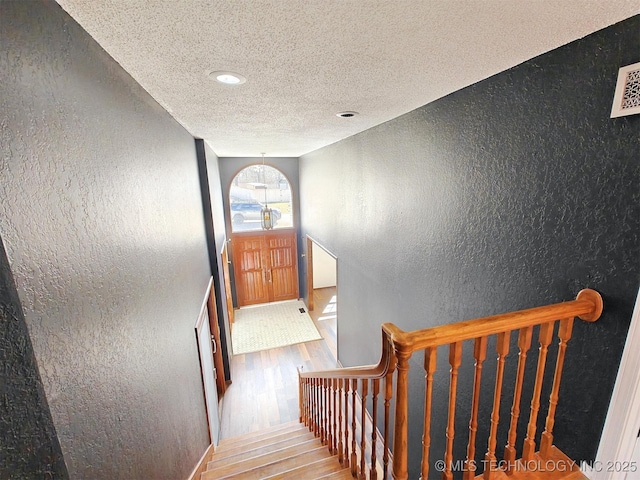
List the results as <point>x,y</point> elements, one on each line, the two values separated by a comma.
<point>346,114</point>
<point>228,78</point>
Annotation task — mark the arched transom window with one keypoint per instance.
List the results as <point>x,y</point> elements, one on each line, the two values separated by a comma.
<point>252,190</point>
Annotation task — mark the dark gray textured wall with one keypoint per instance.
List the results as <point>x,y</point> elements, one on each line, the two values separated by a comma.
<point>216,236</point>
<point>231,166</point>
<point>102,221</point>
<point>29,447</point>
<point>514,192</point>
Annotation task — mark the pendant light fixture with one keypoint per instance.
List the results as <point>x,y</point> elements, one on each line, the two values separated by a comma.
<point>266,215</point>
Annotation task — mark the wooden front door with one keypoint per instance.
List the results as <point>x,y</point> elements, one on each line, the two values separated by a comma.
<point>265,267</point>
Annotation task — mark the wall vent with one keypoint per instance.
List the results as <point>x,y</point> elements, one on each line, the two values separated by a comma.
<point>626,100</point>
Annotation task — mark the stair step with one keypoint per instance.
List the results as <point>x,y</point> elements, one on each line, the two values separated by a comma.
<point>265,458</point>
<point>243,452</point>
<point>533,475</point>
<point>342,474</point>
<point>262,442</point>
<point>265,432</point>
<point>273,467</point>
<point>253,438</point>
<point>316,470</point>
<point>556,466</point>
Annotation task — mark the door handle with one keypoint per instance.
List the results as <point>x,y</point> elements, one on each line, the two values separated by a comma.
<point>213,344</point>
<point>270,279</point>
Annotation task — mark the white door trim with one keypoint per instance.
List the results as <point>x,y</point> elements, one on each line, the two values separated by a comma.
<point>208,368</point>
<point>623,418</point>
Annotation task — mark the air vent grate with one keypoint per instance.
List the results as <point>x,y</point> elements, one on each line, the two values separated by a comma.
<point>631,96</point>
<point>626,100</point>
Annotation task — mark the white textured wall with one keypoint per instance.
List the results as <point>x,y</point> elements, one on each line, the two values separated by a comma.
<point>324,268</point>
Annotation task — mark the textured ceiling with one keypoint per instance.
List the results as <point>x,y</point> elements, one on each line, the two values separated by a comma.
<point>306,60</point>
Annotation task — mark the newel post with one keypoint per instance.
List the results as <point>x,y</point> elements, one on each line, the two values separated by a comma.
<point>400,428</point>
<point>300,395</point>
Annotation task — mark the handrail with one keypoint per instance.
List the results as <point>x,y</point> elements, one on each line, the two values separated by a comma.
<point>378,370</point>
<point>587,306</point>
<point>342,387</point>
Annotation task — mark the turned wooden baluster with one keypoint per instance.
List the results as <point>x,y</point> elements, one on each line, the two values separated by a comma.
<point>564,334</point>
<point>502,347</point>
<point>321,409</point>
<point>388,387</point>
<point>373,475</point>
<point>312,406</point>
<point>326,411</point>
<point>363,423</point>
<point>529,448</point>
<point>346,423</point>
<point>400,428</point>
<point>455,359</point>
<point>524,344</point>
<point>330,416</point>
<point>334,427</point>
<point>318,395</point>
<point>430,362</point>
<point>300,402</point>
<point>316,407</point>
<point>340,444</point>
<point>480,354</point>
<point>308,402</point>
<point>304,402</point>
<point>354,456</point>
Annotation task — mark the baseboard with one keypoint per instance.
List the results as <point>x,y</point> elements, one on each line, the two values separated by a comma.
<point>201,466</point>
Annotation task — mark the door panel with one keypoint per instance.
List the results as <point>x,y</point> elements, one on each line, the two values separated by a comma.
<point>265,267</point>
<point>284,272</point>
<point>250,271</point>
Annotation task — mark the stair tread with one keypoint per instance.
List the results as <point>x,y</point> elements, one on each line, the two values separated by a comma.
<point>260,442</point>
<point>290,451</point>
<point>251,450</point>
<point>343,473</point>
<point>318,469</point>
<point>556,466</point>
<point>272,468</point>
<point>265,432</point>
<point>266,458</point>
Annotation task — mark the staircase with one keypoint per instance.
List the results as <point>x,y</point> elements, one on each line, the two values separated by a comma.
<point>351,419</point>
<point>285,451</point>
<point>332,401</point>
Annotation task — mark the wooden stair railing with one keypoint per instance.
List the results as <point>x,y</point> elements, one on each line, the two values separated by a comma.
<point>331,399</point>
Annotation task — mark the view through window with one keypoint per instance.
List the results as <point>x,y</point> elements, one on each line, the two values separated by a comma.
<point>255,187</point>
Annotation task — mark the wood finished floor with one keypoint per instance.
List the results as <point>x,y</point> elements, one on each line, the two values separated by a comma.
<point>264,388</point>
